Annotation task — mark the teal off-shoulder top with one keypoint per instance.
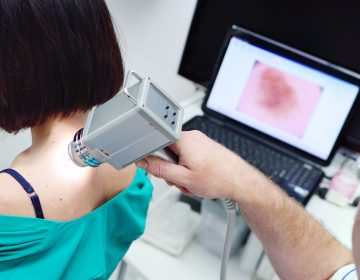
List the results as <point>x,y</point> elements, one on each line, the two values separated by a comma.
<point>89,247</point>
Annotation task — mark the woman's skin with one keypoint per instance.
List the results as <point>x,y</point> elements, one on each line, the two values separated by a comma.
<point>66,191</point>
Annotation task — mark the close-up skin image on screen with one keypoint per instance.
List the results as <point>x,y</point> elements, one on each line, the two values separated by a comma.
<point>282,100</point>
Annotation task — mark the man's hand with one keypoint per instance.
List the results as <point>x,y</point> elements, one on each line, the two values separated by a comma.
<point>205,168</point>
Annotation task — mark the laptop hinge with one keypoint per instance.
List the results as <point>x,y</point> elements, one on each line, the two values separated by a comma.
<point>215,120</point>
<point>309,162</point>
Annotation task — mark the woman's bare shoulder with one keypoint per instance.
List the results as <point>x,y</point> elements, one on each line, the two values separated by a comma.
<point>13,199</point>
<point>115,181</point>
<point>64,195</point>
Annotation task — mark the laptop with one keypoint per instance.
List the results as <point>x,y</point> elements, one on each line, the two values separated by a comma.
<point>282,110</point>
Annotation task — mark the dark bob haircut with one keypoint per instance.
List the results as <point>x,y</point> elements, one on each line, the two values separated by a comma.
<point>57,57</point>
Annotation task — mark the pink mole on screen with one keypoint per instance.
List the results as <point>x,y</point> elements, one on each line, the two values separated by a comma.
<point>279,99</point>
<point>276,94</point>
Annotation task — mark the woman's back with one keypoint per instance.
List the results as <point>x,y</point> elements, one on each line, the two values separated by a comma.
<point>88,247</point>
<point>66,191</point>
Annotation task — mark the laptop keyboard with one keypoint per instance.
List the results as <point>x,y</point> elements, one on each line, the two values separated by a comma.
<point>298,179</point>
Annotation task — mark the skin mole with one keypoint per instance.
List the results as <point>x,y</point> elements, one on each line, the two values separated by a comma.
<point>275,94</point>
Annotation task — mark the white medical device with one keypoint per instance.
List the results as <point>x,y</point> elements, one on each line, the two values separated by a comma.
<point>140,120</point>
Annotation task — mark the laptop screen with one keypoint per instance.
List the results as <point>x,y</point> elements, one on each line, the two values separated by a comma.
<point>287,100</point>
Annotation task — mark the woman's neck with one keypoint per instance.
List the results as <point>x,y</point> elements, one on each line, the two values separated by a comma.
<point>49,149</point>
<point>50,142</point>
<point>56,130</point>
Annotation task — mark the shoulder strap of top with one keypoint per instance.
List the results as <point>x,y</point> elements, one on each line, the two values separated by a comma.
<point>29,189</point>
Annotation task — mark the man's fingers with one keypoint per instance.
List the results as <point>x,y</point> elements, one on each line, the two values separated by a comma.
<point>170,183</point>
<point>142,164</point>
<point>185,191</point>
<point>176,174</point>
<point>176,147</point>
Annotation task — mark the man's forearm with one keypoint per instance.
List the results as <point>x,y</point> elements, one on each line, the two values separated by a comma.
<point>297,245</point>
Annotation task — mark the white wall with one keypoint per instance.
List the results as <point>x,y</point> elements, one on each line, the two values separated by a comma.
<point>152,35</point>
<point>10,146</point>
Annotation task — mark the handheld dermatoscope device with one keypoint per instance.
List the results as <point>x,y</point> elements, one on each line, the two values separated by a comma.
<point>139,121</point>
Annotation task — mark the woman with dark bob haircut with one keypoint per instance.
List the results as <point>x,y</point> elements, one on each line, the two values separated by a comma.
<point>58,59</point>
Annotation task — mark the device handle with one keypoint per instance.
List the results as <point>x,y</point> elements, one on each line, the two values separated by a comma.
<point>167,154</point>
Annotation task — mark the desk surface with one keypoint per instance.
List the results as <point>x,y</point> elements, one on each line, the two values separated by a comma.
<point>196,263</point>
